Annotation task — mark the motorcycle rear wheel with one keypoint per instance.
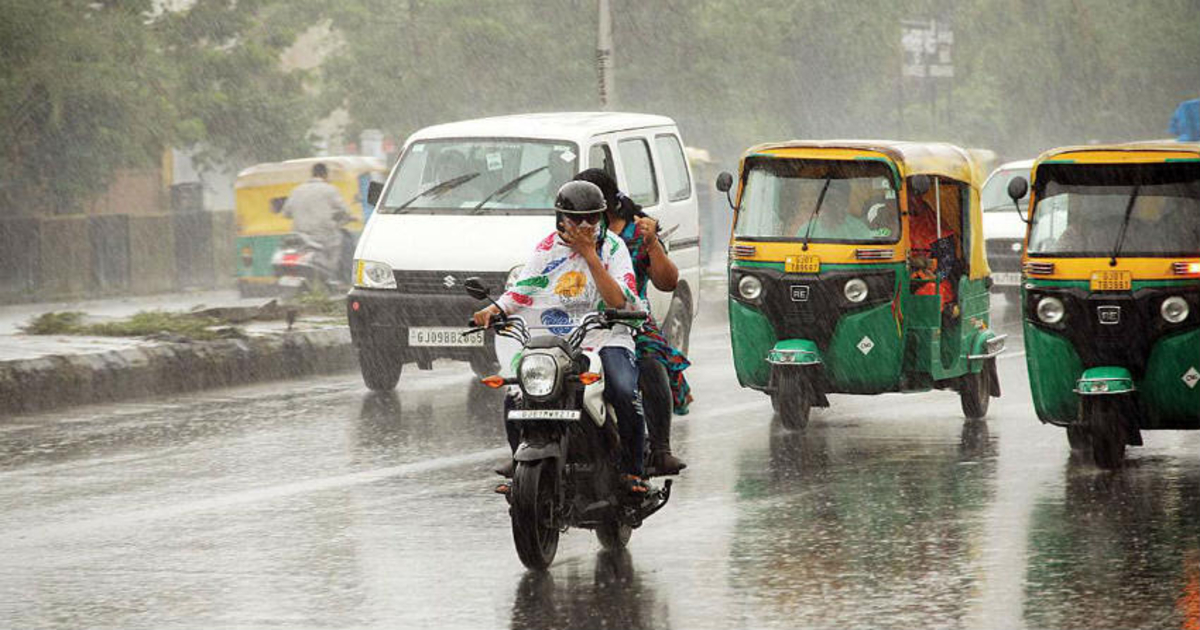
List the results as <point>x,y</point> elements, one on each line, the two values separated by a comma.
<point>534,532</point>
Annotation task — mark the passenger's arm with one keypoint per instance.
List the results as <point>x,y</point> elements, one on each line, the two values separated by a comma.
<point>663,272</point>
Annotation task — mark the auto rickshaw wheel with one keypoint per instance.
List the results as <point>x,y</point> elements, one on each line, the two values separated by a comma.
<point>975,392</point>
<point>1107,431</point>
<point>793,399</point>
<point>1079,438</point>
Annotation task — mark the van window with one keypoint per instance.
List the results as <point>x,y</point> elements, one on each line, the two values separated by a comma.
<point>674,166</point>
<point>600,156</point>
<point>488,173</point>
<point>639,171</point>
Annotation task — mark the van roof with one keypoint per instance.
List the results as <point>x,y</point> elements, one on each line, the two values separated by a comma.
<point>574,126</point>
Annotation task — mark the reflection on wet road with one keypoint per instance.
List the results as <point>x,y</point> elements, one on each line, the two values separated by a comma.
<point>318,504</point>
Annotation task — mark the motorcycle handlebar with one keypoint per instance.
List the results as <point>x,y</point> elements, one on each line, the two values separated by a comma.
<point>613,313</point>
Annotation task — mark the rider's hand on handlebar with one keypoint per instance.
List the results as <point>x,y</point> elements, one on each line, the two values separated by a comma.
<point>483,317</point>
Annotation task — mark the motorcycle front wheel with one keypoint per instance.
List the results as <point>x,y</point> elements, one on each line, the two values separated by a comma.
<point>534,532</point>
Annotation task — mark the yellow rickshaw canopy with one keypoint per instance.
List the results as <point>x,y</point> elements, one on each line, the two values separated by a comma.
<point>300,170</point>
<point>935,159</point>
<point>258,187</point>
<point>1144,151</point>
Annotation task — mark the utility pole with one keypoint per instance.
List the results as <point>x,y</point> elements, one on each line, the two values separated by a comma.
<point>604,56</point>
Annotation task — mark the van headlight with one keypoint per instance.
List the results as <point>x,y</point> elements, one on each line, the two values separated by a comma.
<point>750,287</point>
<point>373,275</point>
<point>1174,309</point>
<point>1050,310</point>
<point>538,374</point>
<point>855,290</point>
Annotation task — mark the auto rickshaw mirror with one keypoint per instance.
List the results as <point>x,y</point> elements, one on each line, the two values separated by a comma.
<point>1017,187</point>
<point>374,191</point>
<point>919,185</point>
<point>725,184</point>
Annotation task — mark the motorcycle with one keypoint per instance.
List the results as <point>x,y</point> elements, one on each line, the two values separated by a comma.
<point>297,268</point>
<point>566,472</point>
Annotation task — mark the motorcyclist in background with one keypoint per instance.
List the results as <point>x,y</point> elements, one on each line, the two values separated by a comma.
<point>580,269</point>
<point>318,212</point>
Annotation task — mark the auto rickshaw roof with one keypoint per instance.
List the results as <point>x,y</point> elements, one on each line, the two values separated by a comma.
<point>912,158</point>
<point>1164,147</point>
<point>299,170</point>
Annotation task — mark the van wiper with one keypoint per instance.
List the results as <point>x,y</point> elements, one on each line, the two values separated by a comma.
<point>440,188</point>
<point>817,210</point>
<point>510,185</point>
<point>1124,226</point>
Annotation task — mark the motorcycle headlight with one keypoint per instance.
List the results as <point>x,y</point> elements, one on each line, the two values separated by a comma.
<point>1174,309</point>
<point>1050,310</point>
<point>373,275</point>
<point>750,287</point>
<point>855,290</point>
<point>513,275</point>
<point>538,374</point>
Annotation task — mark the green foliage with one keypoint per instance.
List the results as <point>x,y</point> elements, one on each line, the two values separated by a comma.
<point>143,324</point>
<point>54,323</point>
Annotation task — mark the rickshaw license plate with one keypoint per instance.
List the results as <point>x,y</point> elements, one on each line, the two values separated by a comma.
<point>1112,280</point>
<point>290,281</point>
<point>804,263</point>
<point>428,336</point>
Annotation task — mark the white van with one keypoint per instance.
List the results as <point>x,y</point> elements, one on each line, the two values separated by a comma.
<point>472,198</point>
<point>1003,228</point>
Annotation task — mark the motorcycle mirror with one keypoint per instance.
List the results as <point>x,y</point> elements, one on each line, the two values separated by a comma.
<point>725,184</point>
<point>475,288</point>
<point>918,185</point>
<point>374,191</point>
<point>1018,188</point>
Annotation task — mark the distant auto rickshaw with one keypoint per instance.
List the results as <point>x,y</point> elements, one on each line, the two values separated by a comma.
<point>859,268</point>
<point>1111,292</point>
<point>260,192</point>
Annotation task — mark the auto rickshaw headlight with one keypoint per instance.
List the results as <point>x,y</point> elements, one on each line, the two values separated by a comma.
<point>1174,309</point>
<point>750,287</point>
<point>1050,310</point>
<point>855,290</point>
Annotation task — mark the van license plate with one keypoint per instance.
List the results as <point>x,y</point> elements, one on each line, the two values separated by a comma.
<point>1006,279</point>
<point>430,336</point>
<point>290,281</point>
<point>544,414</point>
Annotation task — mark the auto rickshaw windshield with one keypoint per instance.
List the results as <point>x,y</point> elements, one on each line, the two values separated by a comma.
<point>853,201</point>
<point>1081,209</point>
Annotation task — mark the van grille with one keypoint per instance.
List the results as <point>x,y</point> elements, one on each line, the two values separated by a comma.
<point>438,282</point>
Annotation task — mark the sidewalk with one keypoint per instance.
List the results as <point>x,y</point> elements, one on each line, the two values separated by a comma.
<point>39,372</point>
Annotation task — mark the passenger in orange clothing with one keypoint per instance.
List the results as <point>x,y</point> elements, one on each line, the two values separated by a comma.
<point>922,221</point>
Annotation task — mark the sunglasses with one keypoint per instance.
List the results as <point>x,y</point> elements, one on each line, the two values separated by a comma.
<point>592,218</point>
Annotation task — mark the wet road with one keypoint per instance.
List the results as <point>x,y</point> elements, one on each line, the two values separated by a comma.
<point>318,504</point>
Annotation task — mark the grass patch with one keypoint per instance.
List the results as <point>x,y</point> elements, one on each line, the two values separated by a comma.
<point>143,324</point>
<point>319,302</point>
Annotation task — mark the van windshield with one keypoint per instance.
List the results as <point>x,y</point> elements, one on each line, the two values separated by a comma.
<point>480,175</point>
<point>994,196</point>
<point>1081,208</point>
<point>853,201</point>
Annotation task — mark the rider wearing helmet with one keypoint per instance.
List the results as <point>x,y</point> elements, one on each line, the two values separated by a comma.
<point>580,269</point>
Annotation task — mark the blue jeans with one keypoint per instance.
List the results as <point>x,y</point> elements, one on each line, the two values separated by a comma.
<point>621,391</point>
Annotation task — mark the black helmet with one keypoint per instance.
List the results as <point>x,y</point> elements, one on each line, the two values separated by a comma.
<point>579,197</point>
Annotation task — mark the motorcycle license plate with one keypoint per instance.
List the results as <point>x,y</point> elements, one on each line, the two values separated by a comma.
<point>436,336</point>
<point>290,281</point>
<point>544,414</point>
<point>1006,279</point>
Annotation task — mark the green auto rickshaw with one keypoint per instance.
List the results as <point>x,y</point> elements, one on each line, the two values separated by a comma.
<point>1111,292</point>
<point>858,267</point>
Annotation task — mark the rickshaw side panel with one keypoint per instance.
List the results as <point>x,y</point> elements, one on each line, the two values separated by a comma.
<point>260,249</point>
<point>865,353</point>
<point>1166,400</point>
<point>1054,367</point>
<point>754,339</point>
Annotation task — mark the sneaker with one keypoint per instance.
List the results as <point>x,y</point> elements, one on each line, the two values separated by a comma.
<point>506,469</point>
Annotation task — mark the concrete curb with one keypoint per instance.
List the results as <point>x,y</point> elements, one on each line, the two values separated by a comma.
<point>163,368</point>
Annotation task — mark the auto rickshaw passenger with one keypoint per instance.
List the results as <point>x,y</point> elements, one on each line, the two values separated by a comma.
<point>923,223</point>
<point>833,219</point>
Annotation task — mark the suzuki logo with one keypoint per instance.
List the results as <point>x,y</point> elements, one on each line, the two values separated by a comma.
<point>449,281</point>
<point>799,292</point>
<point>1109,314</point>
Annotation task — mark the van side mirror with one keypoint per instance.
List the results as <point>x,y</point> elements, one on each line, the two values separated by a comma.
<point>1018,188</point>
<point>475,288</point>
<point>374,191</point>
<point>918,185</point>
<point>725,184</point>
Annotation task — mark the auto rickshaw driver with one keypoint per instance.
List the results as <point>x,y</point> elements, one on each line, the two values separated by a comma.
<point>831,218</point>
